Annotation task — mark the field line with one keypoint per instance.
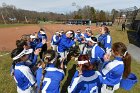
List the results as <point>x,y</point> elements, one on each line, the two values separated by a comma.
<point>4,54</point>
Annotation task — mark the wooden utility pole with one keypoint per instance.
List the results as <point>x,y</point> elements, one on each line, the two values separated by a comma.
<point>3,18</point>
<point>26,19</point>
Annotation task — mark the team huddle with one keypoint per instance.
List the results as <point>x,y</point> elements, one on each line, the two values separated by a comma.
<point>101,65</point>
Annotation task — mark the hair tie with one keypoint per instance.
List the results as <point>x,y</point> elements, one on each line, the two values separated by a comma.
<point>125,53</point>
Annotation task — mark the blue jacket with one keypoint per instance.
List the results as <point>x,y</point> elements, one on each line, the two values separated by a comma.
<point>105,40</point>
<point>89,82</point>
<point>65,43</point>
<point>97,54</point>
<point>113,71</point>
<point>52,79</point>
<point>23,76</point>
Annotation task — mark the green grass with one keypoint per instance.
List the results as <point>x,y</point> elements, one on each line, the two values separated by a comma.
<point>118,35</point>
<point>69,73</point>
<point>13,25</point>
<point>7,83</point>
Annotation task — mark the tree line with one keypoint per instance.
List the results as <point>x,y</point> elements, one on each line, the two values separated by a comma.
<point>11,14</point>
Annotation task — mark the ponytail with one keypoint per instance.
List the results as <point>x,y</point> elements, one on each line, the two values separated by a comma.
<point>127,65</point>
<point>49,57</point>
<point>121,49</point>
<point>106,30</point>
<point>12,68</point>
<point>44,64</point>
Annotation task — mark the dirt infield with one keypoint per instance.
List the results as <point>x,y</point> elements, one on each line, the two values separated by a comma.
<point>8,36</point>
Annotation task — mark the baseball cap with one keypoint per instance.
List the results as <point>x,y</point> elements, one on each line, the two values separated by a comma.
<point>24,52</point>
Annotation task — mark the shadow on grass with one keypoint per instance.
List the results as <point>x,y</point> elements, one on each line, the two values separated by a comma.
<point>73,53</point>
<point>69,78</point>
<point>133,38</point>
<point>119,30</point>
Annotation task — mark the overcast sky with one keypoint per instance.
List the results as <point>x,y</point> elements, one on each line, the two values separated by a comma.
<point>65,6</point>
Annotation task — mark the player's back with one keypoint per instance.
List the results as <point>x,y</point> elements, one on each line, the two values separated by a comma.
<point>52,79</point>
<point>88,82</point>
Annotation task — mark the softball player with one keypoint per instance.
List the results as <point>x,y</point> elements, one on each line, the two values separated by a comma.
<point>87,35</point>
<point>33,56</point>
<point>80,37</point>
<point>42,36</point>
<point>86,80</point>
<point>23,76</point>
<point>61,32</point>
<point>64,44</point>
<point>48,76</point>
<point>55,40</point>
<point>97,53</point>
<point>105,40</point>
<point>117,69</point>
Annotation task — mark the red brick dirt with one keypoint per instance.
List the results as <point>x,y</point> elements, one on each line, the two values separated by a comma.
<point>8,36</point>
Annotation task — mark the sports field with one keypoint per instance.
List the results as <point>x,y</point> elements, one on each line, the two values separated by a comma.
<point>10,34</point>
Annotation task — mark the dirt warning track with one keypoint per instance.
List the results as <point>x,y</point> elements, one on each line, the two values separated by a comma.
<point>8,36</point>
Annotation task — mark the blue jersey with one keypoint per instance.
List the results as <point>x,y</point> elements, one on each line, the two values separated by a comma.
<point>33,59</point>
<point>86,35</point>
<point>89,82</point>
<point>113,71</point>
<point>23,76</point>
<point>105,40</point>
<point>36,45</point>
<point>41,36</point>
<point>55,40</point>
<point>78,37</point>
<point>97,54</point>
<point>52,79</point>
<point>65,43</point>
